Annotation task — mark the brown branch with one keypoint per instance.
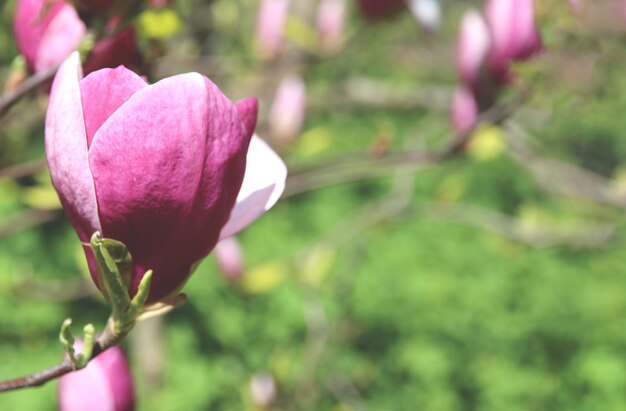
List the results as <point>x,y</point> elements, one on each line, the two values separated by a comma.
<point>31,83</point>
<point>22,169</point>
<point>26,219</point>
<point>105,341</point>
<point>365,165</point>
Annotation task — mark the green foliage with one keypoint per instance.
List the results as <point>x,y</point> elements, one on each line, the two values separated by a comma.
<point>349,310</point>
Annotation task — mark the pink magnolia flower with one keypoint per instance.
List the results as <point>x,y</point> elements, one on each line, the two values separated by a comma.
<point>105,384</point>
<point>513,33</point>
<point>270,26</point>
<point>159,167</point>
<point>464,110</point>
<point>473,47</point>
<point>229,258</point>
<point>331,16</point>
<point>46,32</point>
<point>288,109</point>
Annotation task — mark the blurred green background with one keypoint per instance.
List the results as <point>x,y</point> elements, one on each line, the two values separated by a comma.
<point>480,283</point>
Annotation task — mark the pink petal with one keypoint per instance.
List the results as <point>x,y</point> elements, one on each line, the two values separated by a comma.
<point>105,384</point>
<point>86,389</point>
<point>105,91</point>
<point>513,33</point>
<point>263,184</point>
<point>288,109</point>
<point>473,46</point>
<point>28,29</point>
<point>248,110</point>
<point>66,150</point>
<point>167,167</point>
<point>270,26</point>
<point>229,258</point>
<point>464,110</point>
<point>62,36</point>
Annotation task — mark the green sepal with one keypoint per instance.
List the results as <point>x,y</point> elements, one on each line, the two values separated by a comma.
<point>110,278</point>
<point>68,340</point>
<point>89,334</point>
<point>122,258</point>
<point>139,300</point>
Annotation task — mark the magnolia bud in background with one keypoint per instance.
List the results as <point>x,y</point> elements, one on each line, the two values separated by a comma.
<point>105,384</point>
<point>380,9</point>
<point>464,110</point>
<point>229,258</point>
<point>513,34</point>
<point>427,13</point>
<point>46,33</point>
<point>331,16</point>
<point>119,50</point>
<point>288,110</point>
<point>270,27</point>
<point>262,389</point>
<point>159,3</point>
<point>45,36</point>
<point>576,4</point>
<point>473,47</point>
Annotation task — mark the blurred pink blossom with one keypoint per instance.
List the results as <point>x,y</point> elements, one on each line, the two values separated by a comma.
<point>473,47</point>
<point>331,16</point>
<point>464,110</point>
<point>229,258</point>
<point>46,32</point>
<point>263,389</point>
<point>288,109</point>
<point>270,27</point>
<point>514,36</point>
<point>105,384</point>
<point>576,4</point>
<point>159,3</point>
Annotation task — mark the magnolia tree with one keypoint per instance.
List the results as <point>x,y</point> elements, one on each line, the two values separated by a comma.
<point>155,171</point>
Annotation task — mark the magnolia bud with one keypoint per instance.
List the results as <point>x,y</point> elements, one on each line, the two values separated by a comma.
<point>105,384</point>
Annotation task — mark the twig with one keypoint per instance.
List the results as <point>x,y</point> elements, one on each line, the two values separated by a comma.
<point>364,165</point>
<point>22,169</point>
<point>34,81</point>
<point>105,341</point>
<point>539,236</point>
<point>561,177</point>
<point>26,219</point>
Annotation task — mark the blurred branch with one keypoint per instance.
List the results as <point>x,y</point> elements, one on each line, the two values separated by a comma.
<point>362,92</point>
<point>26,219</point>
<point>31,83</point>
<point>53,290</point>
<point>365,165</point>
<point>22,169</point>
<point>561,177</point>
<point>544,235</point>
